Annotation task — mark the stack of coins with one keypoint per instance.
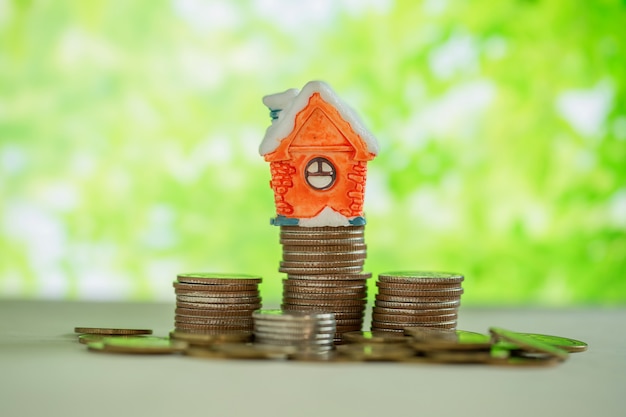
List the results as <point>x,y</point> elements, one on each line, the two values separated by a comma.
<point>304,332</point>
<point>416,299</point>
<point>213,303</point>
<point>324,273</point>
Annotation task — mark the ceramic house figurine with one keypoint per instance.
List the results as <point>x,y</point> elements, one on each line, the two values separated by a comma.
<point>318,151</point>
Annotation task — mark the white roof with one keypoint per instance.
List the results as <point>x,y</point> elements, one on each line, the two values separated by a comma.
<point>291,102</point>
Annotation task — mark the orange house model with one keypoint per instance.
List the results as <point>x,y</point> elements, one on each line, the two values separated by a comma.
<point>318,150</point>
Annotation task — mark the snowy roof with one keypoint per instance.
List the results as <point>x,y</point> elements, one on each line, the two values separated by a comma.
<point>291,102</point>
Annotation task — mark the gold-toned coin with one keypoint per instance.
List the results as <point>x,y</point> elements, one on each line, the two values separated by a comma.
<point>143,345</point>
<point>87,338</point>
<point>528,343</point>
<point>376,351</point>
<point>360,291</point>
<point>326,285</point>
<point>525,362</point>
<point>218,278</point>
<point>420,276</point>
<point>111,331</point>
<point>373,337</point>
<point>211,338</point>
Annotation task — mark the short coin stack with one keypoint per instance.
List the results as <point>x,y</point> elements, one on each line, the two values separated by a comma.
<point>213,303</point>
<point>305,332</point>
<point>324,273</point>
<point>416,299</point>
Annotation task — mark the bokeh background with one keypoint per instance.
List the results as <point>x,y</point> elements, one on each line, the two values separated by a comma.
<point>129,134</point>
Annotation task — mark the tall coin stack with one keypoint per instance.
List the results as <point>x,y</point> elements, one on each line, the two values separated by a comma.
<point>324,273</point>
<point>416,299</point>
<point>214,303</point>
<point>306,332</point>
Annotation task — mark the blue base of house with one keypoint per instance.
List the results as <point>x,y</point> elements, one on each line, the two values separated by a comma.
<point>292,221</point>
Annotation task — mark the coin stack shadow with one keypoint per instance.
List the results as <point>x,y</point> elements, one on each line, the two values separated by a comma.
<point>214,303</point>
<point>307,332</point>
<point>416,299</point>
<point>324,267</point>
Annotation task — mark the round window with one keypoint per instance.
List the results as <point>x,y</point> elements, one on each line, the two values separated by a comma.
<point>320,173</point>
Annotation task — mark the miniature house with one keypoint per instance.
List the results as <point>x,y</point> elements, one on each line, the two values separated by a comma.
<point>318,151</point>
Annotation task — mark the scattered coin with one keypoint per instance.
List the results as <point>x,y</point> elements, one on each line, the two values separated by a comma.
<point>111,331</point>
<point>143,345</point>
<point>374,337</point>
<point>211,338</point>
<point>570,345</point>
<point>376,351</point>
<point>528,343</point>
<point>428,339</point>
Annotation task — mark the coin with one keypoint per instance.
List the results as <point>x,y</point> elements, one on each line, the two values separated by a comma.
<point>215,287</point>
<point>458,357</point>
<point>324,295</point>
<point>429,339</point>
<point>253,351</point>
<point>348,270</point>
<point>200,313</point>
<point>324,303</point>
<point>211,338</point>
<point>420,299</point>
<point>332,277</point>
<point>186,327</point>
<point>322,229</point>
<point>528,343</point>
<point>401,318</point>
<point>325,285</point>
<point>565,343</point>
<point>143,345</point>
<point>283,316</point>
<point>218,278</point>
<point>227,321</point>
<point>456,292</point>
<point>319,249</point>
<point>322,242</point>
<point>425,312</point>
<point>358,292</point>
<point>87,338</point>
<point>322,264</point>
<point>111,331</point>
<point>419,286</point>
<point>318,257</point>
<point>416,306</point>
<point>358,309</point>
<point>376,351</point>
<point>221,306</point>
<point>391,325</point>
<point>229,296</point>
<point>373,337</point>
<point>218,300</point>
<point>420,276</point>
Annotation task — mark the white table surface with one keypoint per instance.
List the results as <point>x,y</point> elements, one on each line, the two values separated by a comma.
<point>44,371</point>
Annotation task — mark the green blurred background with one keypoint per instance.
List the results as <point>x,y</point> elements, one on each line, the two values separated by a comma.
<point>129,134</point>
